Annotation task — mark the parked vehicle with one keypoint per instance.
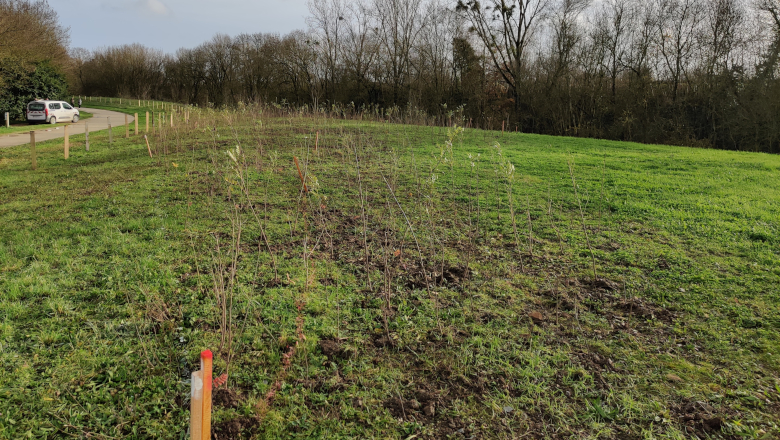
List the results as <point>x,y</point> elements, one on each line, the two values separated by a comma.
<point>51,112</point>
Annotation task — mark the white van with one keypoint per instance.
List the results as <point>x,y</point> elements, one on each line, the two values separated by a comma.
<point>51,112</point>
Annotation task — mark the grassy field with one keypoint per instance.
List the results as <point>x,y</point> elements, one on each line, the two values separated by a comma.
<point>427,283</point>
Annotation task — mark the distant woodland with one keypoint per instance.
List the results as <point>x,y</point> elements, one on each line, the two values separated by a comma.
<point>691,72</point>
<point>34,58</point>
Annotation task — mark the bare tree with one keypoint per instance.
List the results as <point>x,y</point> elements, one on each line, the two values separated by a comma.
<point>327,19</point>
<point>30,29</point>
<point>433,60</point>
<point>78,58</point>
<point>638,56</point>
<point>398,26</point>
<point>613,29</point>
<point>506,28</point>
<point>256,73</point>
<point>186,75</point>
<point>772,7</point>
<point>721,34</point>
<point>221,57</point>
<point>297,59</point>
<point>677,26</point>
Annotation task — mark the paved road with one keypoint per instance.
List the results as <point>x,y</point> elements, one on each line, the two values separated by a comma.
<point>47,132</point>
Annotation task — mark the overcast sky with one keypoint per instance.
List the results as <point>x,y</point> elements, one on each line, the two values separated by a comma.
<point>171,24</point>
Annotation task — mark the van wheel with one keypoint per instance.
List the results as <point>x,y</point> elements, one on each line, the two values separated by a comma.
<point>75,118</point>
<point>52,120</point>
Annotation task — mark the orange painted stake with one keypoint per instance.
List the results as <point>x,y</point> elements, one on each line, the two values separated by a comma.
<point>200,401</point>
<point>205,368</point>
<point>300,174</point>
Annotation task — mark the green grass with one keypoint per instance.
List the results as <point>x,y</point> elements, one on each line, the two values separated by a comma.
<point>108,264</point>
<point>23,126</point>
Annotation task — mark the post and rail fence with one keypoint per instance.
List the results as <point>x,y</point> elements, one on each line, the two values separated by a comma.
<point>165,119</point>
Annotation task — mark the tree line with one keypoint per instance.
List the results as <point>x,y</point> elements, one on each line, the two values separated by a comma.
<point>34,57</point>
<point>691,72</point>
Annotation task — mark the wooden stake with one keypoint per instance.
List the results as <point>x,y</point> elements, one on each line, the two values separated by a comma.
<point>147,123</point>
<point>171,119</point>
<point>127,128</point>
<point>196,406</point>
<point>300,174</point>
<point>32,151</point>
<point>7,119</point>
<point>136,124</point>
<point>67,142</point>
<point>147,146</point>
<point>317,142</point>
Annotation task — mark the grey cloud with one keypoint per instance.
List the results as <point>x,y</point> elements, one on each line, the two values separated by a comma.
<point>154,7</point>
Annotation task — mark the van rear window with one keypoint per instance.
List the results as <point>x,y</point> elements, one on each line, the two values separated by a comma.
<point>36,106</point>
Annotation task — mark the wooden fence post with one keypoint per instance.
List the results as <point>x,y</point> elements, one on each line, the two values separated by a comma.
<point>146,138</point>
<point>127,128</point>
<point>171,119</point>
<point>86,135</point>
<point>136,124</point>
<point>7,119</point>
<point>67,142</point>
<point>32,151</point>
<point>147,123</point>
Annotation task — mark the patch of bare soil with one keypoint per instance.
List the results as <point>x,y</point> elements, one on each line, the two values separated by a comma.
<point>227,398</point>
<point>333,349</point>
<point>238,428</point>
<point>643,309</point>
<point>421,406</point>
<point>699,418</point>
